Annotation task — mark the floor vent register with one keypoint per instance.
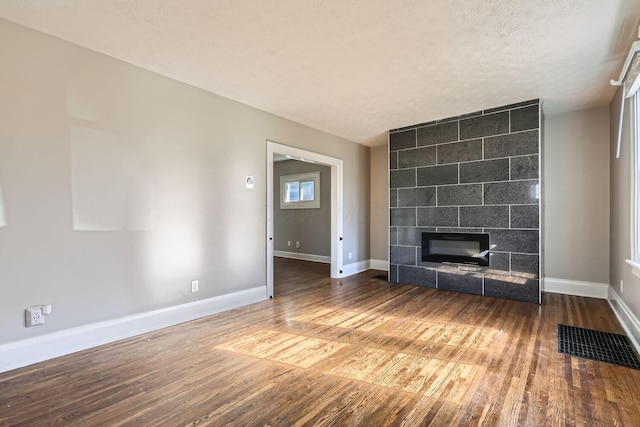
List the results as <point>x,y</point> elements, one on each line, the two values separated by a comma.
<point>596,345</point>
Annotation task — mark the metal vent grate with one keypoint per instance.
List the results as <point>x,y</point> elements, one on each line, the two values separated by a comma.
<point>381,277</point>
<point>596,345</point>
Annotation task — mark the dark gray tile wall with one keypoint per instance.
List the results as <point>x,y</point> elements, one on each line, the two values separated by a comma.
<point>470,283</point>
<point>473,173</point>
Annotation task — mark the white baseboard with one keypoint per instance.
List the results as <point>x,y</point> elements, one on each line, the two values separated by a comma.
<point>303,257</point>
<point>627,319</point>
<point>354,268</point>
<point>379,264</point>
<point>33,350</point>
<point>576,287</point>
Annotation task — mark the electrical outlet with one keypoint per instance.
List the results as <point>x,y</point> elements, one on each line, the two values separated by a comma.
<point>622,286</point>
<point>298,245</point>
<point>195,286</point>
<point>33,316</point>
<point>288,242</point>
<point>349,255</point>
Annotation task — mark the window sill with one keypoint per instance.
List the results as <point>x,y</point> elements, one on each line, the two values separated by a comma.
<point>635,267</point>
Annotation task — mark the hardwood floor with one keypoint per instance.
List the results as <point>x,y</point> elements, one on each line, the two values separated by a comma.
<point>356,351</point>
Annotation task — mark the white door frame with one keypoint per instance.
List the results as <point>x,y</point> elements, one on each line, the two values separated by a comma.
<point>336,204</point>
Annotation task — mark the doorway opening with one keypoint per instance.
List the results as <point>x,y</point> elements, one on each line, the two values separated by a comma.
<point>335,164</point>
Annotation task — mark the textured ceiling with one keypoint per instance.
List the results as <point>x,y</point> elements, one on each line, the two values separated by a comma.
<point>357,68</point>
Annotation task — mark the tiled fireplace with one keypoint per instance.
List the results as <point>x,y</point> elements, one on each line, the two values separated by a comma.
<point>476,173</point>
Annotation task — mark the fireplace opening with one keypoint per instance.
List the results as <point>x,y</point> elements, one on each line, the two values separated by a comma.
<point>461,248</point>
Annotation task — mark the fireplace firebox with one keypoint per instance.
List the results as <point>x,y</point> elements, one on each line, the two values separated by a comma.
<point>461,248</point>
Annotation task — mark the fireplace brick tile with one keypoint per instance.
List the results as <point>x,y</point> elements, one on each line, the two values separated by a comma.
<point>490,124</point>
<point>402,255</point>
<point>469,283</point>
<point>412,236</point>
<point>403,217</point>
<point>402,140</point>
<point>460,151</point>
<point>437,175</point>
<point>516,144</point>
<point>393,198</point>
<point>525,216</point>
<point>438,217</point>
<point>393,160</point>
<point>424,196</point>
<point>437,134</point>
<point>417,157</point>
<point>508,289</point>
<point>484,216</point>
<point>509,193</point>
<point>525,118</point>
<point>393,235</point>
<point>417,276</point>
<point>393,273</point>
<point>458,230</point>
<point>525,167</point>
<point>498,261</point>
<point>485,170</point>
<point>523,241</point>
<point>402,178</point>
<point>455,195</point>
<point>525,265</point>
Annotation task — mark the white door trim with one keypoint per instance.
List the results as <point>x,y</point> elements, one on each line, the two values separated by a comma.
<point>336,204</point>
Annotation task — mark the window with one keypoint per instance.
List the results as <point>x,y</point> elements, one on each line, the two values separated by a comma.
<point>635,173</point>
<point>300,191</point>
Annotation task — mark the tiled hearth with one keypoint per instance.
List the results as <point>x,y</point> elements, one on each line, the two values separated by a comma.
<point>476,173</point>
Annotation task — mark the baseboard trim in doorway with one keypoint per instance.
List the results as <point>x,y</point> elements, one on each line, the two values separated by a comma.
<point>355,268</point>
<point>44,347</point>
<point>303,257</point>
<point>379,264</point>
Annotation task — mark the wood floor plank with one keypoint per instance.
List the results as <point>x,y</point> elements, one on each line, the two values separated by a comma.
<point>327,352</point>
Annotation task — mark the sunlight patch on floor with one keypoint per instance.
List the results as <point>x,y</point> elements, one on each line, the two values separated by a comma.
<point>434,378</point>
<point>296,350</point>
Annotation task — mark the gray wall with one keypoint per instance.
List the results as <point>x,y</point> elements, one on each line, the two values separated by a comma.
<point>311,227</point>
<point>380,203</point>
<point>91,143</point>
<point>576,161</point>
<point>475,173</point>
<point>621,211</point>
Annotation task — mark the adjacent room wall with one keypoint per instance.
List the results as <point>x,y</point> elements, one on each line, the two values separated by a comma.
<point>121,186</point>
<point>380,203</point>
<point>310,227</point>
<point>621,212</point>
<point>576,160</point>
